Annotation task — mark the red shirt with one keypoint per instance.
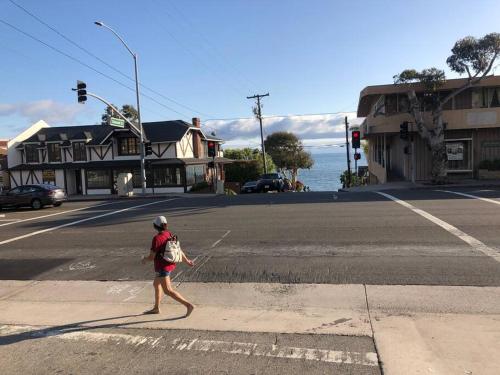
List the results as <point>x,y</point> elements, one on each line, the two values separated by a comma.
<point>158,246</point>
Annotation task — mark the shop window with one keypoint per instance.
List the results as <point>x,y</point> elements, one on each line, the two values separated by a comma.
<point>195,174</point>
<point>49,177</point>
<point>166,177</point>
<point>459,154</point>
<point>32,154</point>
<point>79,151</point>
<point>128,146</point>
<point>98,179</point>
<point>54,150</point>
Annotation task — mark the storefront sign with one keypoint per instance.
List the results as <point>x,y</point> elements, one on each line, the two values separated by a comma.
<point>49,177</point>
<point>455,151</point>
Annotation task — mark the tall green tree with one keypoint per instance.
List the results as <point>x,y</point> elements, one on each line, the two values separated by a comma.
<point>288,153</point>
<point>248,165</point>
<point>471,56</point>
<point>126,110</point>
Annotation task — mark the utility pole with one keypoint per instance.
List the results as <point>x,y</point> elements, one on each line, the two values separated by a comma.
<point>259,115</point>
<point>347,150</point>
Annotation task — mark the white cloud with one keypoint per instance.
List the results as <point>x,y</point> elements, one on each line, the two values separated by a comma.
<point>322,128</point>
<point>47,110</point>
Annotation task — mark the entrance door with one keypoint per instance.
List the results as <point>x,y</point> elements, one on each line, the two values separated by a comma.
<point>78,180</point>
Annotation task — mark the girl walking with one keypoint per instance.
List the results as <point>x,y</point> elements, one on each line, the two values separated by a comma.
<point>163,268</point>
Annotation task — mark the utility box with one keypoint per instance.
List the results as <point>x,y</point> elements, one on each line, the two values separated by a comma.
<point>125,185</point>
<point>220,187</point>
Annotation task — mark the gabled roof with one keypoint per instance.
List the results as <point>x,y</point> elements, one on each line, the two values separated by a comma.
<point>165,131</point>
<point>160,131</point>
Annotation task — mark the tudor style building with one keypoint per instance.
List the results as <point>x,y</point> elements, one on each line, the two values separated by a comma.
<point>87,159</point>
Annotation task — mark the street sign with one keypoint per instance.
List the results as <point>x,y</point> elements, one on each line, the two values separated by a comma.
<point>118,122</point>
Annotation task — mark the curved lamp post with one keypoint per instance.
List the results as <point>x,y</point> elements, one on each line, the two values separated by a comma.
<point>134,55</point>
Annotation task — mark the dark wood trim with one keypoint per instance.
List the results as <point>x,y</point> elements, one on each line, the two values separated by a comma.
<point>166,149</point>
<point>106,152</point>
<point>21,176</point>
<point>157,154</point>
<point>65,181</point>
<point>112,151</point>
<point>13,179</point>
<point>86,181</point>
<point>183,177</point>
<point>36,177</point>
<point>90,156</point>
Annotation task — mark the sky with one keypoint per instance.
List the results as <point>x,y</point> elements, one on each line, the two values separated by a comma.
<point>202,58</point>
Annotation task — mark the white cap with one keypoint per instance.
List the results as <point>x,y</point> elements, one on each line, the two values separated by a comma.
<point>159,221</point>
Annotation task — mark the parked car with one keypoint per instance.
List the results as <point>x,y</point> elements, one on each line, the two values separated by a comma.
<point>35,196</point>
<point>249,187</point>
<point>270,182</point>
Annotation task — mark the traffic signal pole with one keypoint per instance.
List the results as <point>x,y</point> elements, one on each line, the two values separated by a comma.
<point>347,151</point>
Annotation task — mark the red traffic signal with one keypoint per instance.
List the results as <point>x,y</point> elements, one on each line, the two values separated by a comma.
<point>356,139</point>
<point>357,156</point>
<point>211,149</point>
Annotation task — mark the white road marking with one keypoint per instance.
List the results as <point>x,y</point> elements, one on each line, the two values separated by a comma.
<point>2,215</point>
<point>57,213</point>
<point>9,220</point>
<point>81,266</point>
<point>82,221</point>
<point>473,242</point>
<point>207,259</point>
<point>212,346</point>
<point>471,196</point>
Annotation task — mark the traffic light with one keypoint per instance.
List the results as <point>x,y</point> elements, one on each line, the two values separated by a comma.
<point>211,149</point>
<point>357,156</point>
<point>81,91</point>
<point>356,139</point>
<point>403,131</point>
<point>148,148</point>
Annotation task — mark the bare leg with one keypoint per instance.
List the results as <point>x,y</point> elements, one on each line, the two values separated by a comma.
<point>157,284</point>
<point>169,290</point>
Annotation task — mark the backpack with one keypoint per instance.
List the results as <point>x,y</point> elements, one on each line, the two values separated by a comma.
<point>173,252</point>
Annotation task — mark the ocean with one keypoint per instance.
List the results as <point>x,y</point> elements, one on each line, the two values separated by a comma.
<point>326,171</point>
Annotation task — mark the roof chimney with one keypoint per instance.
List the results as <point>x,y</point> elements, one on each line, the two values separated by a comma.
<point>196,122</point>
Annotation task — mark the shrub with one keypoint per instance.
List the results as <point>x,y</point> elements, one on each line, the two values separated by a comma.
<point>200,186</point>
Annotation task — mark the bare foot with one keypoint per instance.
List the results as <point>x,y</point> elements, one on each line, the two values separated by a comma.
<point>190,309</point>
<point>152,311</point>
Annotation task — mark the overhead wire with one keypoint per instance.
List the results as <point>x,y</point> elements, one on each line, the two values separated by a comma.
<point>69,40</point>
<point>90,67</point>
<point>211,47</point>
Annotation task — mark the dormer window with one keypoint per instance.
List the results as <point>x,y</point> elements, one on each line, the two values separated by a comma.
<point>54,151</point>
<point>31,153</point>
<point>63,136</point>
<point>42,137</point>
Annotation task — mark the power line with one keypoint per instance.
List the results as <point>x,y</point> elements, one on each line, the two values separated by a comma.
<point>211,47</point>
<point>198,60</point>
<point>277,116</point>
<point>101,60</point>
<point>89,66</point>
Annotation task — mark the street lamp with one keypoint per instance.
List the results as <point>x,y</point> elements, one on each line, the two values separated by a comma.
<point>134,55</point>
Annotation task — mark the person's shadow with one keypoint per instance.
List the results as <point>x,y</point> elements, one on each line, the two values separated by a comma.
<point>73,327</point>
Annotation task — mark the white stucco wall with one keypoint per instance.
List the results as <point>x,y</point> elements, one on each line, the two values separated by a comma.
<point>14,155</point>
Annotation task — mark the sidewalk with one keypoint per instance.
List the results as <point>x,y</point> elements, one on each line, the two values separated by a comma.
<point>421,185</point>
<point>417,329</point>
<point>101,197</point>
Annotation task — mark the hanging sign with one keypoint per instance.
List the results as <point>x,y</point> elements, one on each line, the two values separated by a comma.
<point>455,151</point>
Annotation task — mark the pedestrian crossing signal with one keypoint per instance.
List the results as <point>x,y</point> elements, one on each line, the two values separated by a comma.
<point>148,148</point>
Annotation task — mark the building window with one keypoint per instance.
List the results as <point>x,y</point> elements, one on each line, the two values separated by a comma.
<point>168,176</point>
<point>79,151</point>
<point>49,177</point>
<point>98,179</point>
<point>195,174</point>
<point>54,150</point>
<point>31,153</point>
<point>128,146</point>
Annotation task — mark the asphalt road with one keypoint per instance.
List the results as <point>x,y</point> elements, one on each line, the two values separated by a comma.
<point>339,238</point>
